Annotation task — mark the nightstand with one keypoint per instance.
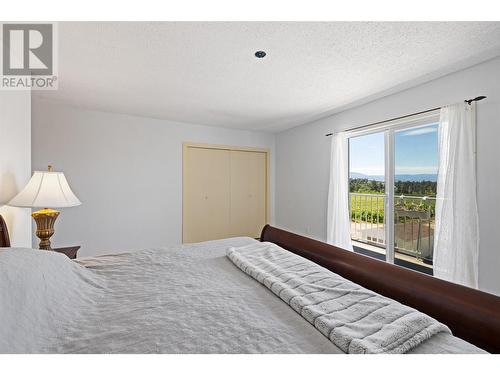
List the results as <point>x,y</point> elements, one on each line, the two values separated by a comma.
<point>69,251</point>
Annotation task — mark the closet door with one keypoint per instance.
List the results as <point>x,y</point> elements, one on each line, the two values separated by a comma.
<point>248,206</point>
<point>206,202</point>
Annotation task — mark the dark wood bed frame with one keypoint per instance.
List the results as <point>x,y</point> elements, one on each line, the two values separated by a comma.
<point>470,314</point>
<point>4,234</point>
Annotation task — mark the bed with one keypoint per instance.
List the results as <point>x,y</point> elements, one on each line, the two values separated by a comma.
<point>181,299</point>
<point>471,314</point>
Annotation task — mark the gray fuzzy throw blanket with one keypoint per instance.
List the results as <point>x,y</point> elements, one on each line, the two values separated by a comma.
<point>355,319</point>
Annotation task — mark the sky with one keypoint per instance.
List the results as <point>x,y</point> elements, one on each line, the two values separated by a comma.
<point>416,152</point>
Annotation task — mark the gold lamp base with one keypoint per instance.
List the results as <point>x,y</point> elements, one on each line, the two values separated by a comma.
<point>45,220</point>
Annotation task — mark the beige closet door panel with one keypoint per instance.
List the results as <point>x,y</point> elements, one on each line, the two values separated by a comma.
<point>248,193</point>
<point>206,203</point>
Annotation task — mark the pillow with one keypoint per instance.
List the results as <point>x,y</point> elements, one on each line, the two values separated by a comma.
<point>40,293</point>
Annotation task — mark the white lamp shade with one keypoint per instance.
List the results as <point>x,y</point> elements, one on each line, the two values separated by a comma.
<point>46,190</point>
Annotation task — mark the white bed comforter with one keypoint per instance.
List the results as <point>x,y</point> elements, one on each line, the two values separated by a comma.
<point>355,319</point>
<point>180,299</point>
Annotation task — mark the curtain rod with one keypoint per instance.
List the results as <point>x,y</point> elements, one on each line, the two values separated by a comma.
<point>468,101</point>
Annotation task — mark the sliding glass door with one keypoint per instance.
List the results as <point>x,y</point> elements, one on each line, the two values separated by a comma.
<point>392,187</point>
<point>415,184</point>
<point>367,193</point>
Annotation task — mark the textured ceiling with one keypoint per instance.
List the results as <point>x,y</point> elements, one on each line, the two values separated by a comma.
<point>206,73</point>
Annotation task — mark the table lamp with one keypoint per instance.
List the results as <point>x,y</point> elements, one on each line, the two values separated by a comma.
<point>46,189</point>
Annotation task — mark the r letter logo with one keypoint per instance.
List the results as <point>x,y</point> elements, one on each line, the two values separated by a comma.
<point>28,56</point>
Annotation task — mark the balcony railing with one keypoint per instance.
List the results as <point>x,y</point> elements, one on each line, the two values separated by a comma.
<point>413,223</point>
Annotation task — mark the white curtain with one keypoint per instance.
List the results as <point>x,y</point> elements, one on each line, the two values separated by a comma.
<point>456,238</point>
<point>338,221</point>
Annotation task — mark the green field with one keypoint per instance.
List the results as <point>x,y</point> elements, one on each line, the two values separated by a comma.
<point>367,208</point>
<point>371,208</point>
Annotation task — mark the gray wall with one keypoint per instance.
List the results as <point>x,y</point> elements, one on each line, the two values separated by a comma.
<point>303,156</point>
<point>15,162</point>
<point>126,170</point>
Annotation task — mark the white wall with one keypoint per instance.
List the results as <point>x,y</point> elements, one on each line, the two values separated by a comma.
<point>126,170</point>
<point>302,157</point>
<point>15,162</point>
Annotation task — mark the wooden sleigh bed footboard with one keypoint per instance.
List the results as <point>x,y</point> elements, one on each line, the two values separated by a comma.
<point>471,314</point>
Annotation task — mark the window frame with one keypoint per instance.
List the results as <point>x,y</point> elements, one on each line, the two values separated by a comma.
<point>389,128</point>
